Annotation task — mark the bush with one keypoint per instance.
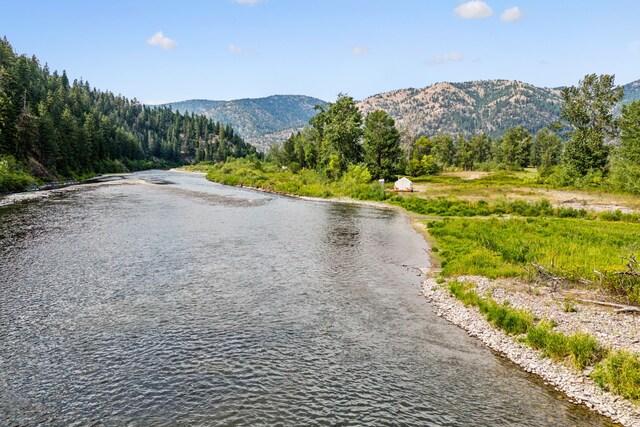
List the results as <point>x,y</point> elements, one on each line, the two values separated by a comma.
<point>13,176</point>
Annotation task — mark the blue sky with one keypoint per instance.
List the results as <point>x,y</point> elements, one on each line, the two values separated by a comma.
<point>227,49</point>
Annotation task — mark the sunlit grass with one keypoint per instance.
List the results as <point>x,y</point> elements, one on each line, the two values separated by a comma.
<point>570,248</point>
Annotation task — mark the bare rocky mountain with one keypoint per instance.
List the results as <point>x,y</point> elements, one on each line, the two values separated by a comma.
<point>489,106</point>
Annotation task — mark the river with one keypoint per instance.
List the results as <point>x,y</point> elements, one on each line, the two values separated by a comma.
<point>170,300</point>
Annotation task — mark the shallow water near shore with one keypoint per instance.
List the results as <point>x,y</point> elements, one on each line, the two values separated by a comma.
<point>186,302</point>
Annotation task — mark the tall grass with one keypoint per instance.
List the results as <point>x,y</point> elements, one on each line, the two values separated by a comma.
<point>620,374</point>
<point>572,249</point>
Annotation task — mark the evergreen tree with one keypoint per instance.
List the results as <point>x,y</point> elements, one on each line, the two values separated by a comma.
<point>382,151</point>
<point>516,147</point>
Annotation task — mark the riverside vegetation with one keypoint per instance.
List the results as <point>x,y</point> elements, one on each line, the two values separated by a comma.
<point>617,371</point>
<point>497,222</point>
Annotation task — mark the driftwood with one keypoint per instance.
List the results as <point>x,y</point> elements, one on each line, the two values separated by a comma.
<point>619,308</point>
<point>546,275</point>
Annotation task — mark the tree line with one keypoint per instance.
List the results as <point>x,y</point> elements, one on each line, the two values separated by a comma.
<point>590,144</point>
<point>63,129</point>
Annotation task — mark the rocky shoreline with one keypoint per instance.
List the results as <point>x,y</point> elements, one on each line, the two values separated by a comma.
<point>578,386</point>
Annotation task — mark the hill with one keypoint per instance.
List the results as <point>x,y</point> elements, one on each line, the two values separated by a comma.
<point>631,92</point>
<point>53,128</point>
<point>489,106</point>
<point>260,121</point>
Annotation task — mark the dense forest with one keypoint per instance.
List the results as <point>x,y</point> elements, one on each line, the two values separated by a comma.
<point>52,128</point>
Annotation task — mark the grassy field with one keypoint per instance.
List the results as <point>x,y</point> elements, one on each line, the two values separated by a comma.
<point>519,185</point>
<point>573,249</point>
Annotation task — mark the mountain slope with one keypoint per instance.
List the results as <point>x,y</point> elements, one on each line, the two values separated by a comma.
<point>260,121</point>
<point>489,106</point>
<point>631,92</point>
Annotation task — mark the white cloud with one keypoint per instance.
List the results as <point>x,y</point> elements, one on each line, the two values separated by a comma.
<point>441,59</point>
<point>513,14</point>
<point>238,50</point>
<point>248,2</point>
<point>159,39</point>
<point>359,50</point>
<point>474,9</point>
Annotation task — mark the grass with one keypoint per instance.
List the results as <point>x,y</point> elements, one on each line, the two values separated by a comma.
<point>618,371</point>
<point>580,349</point>
<point>569,248</point>
<point>620,374</point>
<point>354,184</point>
<point>511,320</point>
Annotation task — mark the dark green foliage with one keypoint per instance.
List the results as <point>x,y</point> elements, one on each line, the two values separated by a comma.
<point>381,144</point>
<point>12,176</point>
<point>625,170</point>
<point>444,149</point>
<point>516,147</point>
<point>339,128</point>
<point>72,129</point>
<point>546,150</point>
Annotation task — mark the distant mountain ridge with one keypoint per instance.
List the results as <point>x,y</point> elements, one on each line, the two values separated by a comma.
<point>260,121</point>
<point>631,92</point>
<point>489,106</point>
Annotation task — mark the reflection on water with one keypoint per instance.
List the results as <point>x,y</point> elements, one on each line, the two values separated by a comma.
<point>193,303</point>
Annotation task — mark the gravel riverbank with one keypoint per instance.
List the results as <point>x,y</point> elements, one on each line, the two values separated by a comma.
<point>615,330</point>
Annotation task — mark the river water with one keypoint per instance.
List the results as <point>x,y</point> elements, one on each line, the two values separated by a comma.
<point>170,300</point>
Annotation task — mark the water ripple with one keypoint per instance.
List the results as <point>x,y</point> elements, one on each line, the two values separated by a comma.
<point>189,303</point>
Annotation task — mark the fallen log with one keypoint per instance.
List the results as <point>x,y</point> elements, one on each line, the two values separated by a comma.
<point>619,308</point>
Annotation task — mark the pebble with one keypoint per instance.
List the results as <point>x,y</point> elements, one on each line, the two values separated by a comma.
<point>578,386</point>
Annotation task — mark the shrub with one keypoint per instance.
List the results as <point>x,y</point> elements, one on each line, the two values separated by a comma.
<point>13,176</point>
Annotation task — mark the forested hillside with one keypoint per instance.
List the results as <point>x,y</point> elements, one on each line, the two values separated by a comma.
<point>57,128</point>
<point>260,121</point>
<point>488,106</point>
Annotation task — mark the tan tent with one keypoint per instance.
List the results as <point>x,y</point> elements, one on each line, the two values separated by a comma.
<point>403,184</point>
